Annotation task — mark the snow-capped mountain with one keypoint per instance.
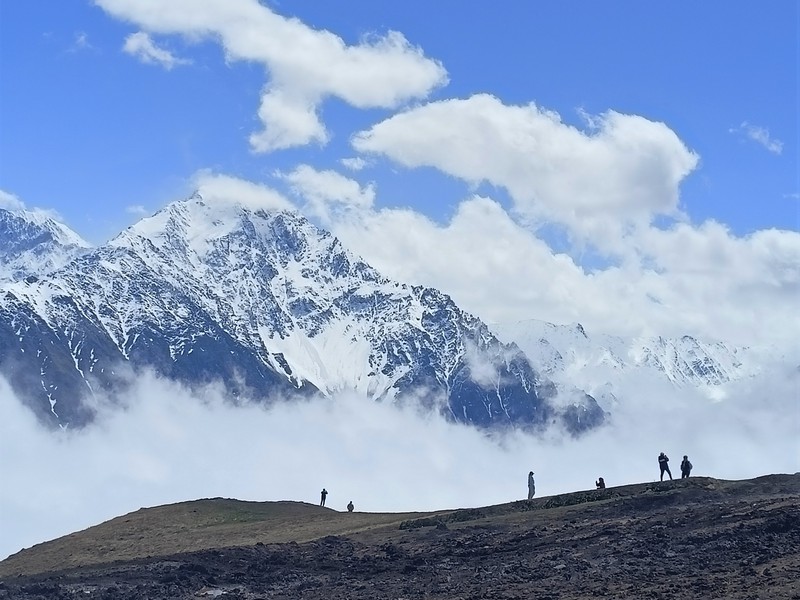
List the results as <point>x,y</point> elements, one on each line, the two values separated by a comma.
<point>599,363</point>
<point>270,305</point>
<point>34,244</point>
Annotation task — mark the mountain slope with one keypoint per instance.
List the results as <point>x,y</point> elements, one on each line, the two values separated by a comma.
<point>691,538</point>
<point>271,306</point>
<point>33,243</point>
<point>600,364</point>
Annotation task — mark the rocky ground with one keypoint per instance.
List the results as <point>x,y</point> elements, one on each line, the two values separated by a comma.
<point>698,538</point>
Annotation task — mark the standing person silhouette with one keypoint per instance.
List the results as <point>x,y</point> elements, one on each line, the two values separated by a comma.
<point>531,486</point>
<point>350,506</point>
<point>663,464</point>
<point>686,467</point>
<point>322,495</point>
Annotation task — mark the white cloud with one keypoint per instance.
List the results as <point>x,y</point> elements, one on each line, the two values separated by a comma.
<point>305,65</point>
<point>739,288</point>
<point>760,135</point>
<point>697,280</point>
<point>355,163</point>
<point>327,191</point>
<point>170,446</point>
<point>142,46</point>
<point>81,42</point>
<point>10,202</point>
<point>137,209</point>
<point>489,264</point>
<point>226,189</point>
<point>620,174</point>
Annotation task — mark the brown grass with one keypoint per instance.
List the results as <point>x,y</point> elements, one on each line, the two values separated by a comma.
<point>221,523</point>
<point>191,526</point>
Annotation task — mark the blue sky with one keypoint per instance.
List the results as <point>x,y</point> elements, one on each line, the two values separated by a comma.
<point>88,130</point>
<point>110,109</point>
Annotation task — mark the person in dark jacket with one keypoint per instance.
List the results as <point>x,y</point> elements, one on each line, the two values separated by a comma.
<point>600,484</point>
<point>686,467</point>
<point>531,486</point>
<point>322,495</point>
<point>350,506</point>
<point>663,464</point>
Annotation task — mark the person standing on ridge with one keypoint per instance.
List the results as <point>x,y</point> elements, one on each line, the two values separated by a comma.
<point>350,506</point>
<point>663,464</point>
<point>322,495</point>
<point>686,467</point>
<point>531,486</point>
<point>600,484</point>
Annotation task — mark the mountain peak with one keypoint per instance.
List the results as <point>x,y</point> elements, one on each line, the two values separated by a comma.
<point>35,243</point>
<point>248,292</point>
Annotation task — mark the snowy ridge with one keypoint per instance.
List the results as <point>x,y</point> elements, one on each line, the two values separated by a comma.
<point>599,363</point>
<point>272,306</point>
<point>33,243</point>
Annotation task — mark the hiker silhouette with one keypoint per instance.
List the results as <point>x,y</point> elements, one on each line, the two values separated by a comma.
<point>531,486</point>
<point>663,464</point>
<point>686,467</point>
<point>322,495</point>
<point>350,506</point>
<point>600,484</point>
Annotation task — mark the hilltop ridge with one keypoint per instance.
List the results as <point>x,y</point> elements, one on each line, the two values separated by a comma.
<point>694,538</point>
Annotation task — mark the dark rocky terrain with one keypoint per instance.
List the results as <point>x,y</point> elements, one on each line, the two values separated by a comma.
<point>695,538</point>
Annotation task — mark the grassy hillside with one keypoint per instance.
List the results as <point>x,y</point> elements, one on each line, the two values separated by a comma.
<point>192,526</point>
<point>694,538</point>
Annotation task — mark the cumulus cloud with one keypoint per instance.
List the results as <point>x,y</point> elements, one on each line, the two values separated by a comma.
<point>13,203</point>
<point>759,135</point>
<point>624,171</point>
<point>327,191</point>
<point>10,202</point>
<point>142,46</point>
<point>305,65</point>
<point>167,445</point>
<point>214,187</point>
<point>700,280</point>
<point>744,288</point>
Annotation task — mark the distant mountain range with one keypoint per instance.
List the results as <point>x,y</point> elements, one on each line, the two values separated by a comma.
<point>259,300</point>
<point>274,308</point>
<point>602,364</point>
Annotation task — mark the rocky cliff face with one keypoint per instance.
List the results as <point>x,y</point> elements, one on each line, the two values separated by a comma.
<point>264,302</point>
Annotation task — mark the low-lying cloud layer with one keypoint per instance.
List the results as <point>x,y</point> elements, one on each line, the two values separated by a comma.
<point>169,446</point>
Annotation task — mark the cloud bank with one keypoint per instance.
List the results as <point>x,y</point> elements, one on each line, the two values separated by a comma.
<point>167,445</point>
<point>624,171</point>
<point>669,279</point>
